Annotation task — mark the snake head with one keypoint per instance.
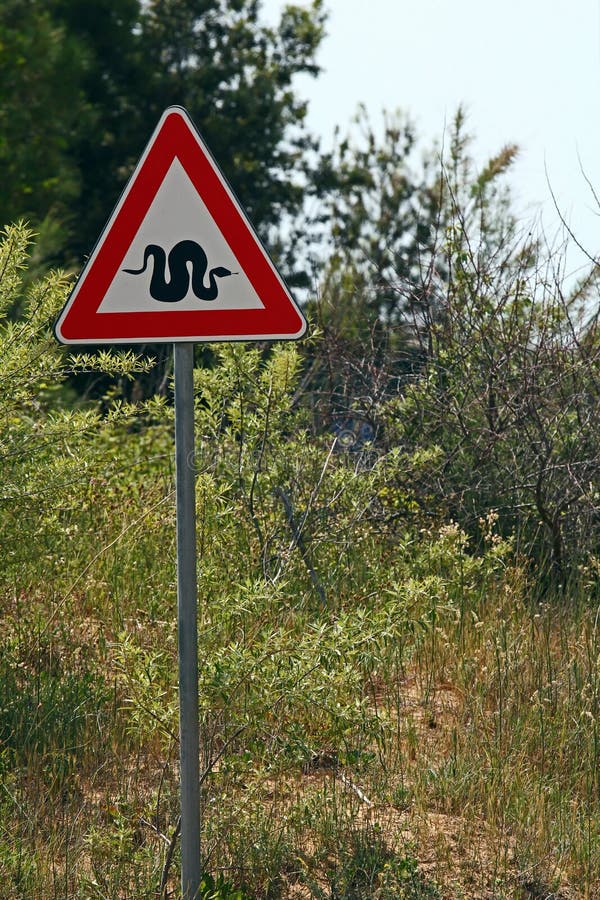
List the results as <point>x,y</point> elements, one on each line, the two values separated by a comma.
<point>221,272</point>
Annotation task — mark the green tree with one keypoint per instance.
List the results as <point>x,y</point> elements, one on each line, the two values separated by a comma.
<point>40,97</point>
<point>504,406</point>
<point>47,448</point>
<point>382,220</point>
<point>383,209</point>
<point>387,216</point>
<point>82,86</point>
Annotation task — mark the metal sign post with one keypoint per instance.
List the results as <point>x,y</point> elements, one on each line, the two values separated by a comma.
<point>178,207</point>
<point>187,623</point>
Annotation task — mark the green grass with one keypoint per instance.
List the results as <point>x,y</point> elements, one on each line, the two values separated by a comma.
<point>434,736</point>
<point>387,710</point>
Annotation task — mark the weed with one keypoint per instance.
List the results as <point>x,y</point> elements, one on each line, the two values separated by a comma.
<point>387,710</point>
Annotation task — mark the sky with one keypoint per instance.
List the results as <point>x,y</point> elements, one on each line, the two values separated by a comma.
<point>527,72</point>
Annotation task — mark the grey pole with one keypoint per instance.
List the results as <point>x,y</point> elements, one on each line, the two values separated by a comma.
<point>187,621</point>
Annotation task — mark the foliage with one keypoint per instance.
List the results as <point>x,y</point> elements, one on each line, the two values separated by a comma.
<point>46,711</point>
<point>385,217</point>
<point>387,709</point>
<point>39,104</point>
<point>75,123</point>
<point>509,400</point>
<point>506,397</point>
<point>480,375</point>
<point>367,868</point>
<point>219,889</point>
<point>41,435</point>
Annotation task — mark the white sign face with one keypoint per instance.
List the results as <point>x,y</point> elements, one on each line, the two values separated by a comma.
<point>177,219</point>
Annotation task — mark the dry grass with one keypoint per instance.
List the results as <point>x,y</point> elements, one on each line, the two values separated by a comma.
<point>454,758</point>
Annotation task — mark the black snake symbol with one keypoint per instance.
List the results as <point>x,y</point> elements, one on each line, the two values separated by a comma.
<point>174,290</point>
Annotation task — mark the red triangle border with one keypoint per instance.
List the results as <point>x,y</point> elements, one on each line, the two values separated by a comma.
<point>81,323</point>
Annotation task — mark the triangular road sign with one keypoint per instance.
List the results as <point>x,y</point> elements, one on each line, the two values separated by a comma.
<point>178,259</point>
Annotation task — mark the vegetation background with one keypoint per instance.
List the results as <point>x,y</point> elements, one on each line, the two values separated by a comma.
<point>398,518</point>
